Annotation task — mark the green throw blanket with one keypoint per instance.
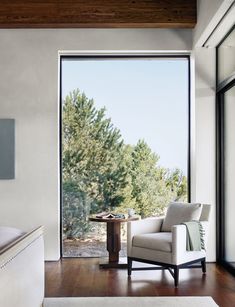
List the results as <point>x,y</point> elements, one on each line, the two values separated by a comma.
<point>195,236</point>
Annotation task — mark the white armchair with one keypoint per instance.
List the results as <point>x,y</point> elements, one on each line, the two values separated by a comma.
<point>162,241</point>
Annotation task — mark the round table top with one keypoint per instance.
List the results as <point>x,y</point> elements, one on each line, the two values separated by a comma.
<point>113,220</point>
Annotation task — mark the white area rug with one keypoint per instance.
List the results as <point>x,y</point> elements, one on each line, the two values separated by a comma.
<point>160,301</point>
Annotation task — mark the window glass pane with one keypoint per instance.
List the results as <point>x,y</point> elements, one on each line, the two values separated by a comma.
<point>124,144</point>
<point>229,155</point>
<point>226,58</point>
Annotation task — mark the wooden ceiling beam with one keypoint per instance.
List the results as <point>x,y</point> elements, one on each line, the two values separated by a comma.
<point>97,13</point>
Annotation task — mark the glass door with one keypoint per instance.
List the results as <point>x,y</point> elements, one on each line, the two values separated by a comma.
<point>225,136</point>
<point>229,176</point>
<point>226,176</point>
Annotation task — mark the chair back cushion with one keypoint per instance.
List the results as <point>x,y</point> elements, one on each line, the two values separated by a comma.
<point>178,213</point>
<point>206,209</point>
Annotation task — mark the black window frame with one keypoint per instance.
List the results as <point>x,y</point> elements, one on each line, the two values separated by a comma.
<point>221,88</point>
<point>120,56</point>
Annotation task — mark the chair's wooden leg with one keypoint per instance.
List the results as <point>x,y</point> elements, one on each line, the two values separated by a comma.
<point>203,263</point>
<point>129,265</point>
<point>176,276</point>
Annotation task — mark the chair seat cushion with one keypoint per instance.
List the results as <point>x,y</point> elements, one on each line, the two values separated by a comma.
<point>161,241</point>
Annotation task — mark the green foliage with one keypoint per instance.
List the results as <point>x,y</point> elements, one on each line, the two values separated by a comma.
<point>148,180</point>
<point>177,183</point>
<point>92,153</point>
<point>75,211</point>
<point>100,172</point>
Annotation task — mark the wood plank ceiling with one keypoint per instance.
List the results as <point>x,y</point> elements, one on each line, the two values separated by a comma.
<point>97,13</point>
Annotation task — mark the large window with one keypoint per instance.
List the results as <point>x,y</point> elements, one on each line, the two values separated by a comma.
<point>226,151</point>
<point>125,142</point>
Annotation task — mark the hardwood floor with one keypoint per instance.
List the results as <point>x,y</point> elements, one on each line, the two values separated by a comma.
<point>82,277</point>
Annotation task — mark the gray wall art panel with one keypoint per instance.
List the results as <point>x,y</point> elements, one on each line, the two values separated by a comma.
<point>7,149</point>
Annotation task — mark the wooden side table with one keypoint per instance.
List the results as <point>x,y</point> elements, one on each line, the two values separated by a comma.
<point>113,239</point>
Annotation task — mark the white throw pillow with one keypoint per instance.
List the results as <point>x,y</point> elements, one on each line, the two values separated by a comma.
<point>9,235</point>
<point>178,213</point>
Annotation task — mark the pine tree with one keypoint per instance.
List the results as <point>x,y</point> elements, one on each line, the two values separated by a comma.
<point>100,172</point>
<point>92,158</point>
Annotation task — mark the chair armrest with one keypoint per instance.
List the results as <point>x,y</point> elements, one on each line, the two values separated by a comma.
<point>178,242</point>
<point>141,227</point>
<point>179,234</point>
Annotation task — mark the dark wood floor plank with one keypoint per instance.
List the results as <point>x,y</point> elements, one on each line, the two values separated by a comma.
<point>83,277</point>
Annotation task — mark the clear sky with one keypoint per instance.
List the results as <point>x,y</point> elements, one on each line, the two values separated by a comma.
<point>146,99</point>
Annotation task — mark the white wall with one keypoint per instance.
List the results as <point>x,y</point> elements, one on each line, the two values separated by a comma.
<point>210,13</point>
<point>29,93</point>
<point>203,105</point>
<point>204,156</point>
